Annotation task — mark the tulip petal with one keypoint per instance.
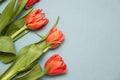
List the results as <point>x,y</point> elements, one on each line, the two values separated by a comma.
<point>36,20</point>
<point>56,65</point>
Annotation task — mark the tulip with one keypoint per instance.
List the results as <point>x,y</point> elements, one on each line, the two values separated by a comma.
<point>55,37</point>
<point>55,65</point>
<point>30,3</point>
<point>31,53</point>
<point>34,21</point>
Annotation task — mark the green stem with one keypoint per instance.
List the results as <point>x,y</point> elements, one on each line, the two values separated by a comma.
<point>13,70</point>
<point>46,49</point>
<point>18,32</point>
<point>8,74</point>
<point>39,35</point>
<point>57,21</point>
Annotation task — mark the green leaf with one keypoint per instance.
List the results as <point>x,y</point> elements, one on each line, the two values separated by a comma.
<point>11,11</point>
<point>32,74</point>
<point>31,53</point>
<point>7,53</point>
<point>14,27</point>
<point>6,14</point>
<point>22,53</point>
<point>19,7</point>
<point>10,30</point>
<point>25,58</point>
<point>28,54</point>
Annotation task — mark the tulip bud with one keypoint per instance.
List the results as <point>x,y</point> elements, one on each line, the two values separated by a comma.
<point>55,37</point>
<point>31,3</point>
<point>36,20</point>
<point>55,65</point>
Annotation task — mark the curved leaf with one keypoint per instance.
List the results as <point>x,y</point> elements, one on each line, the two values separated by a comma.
<point>6,14</point>
<point>11,11</point>
<point>14,27</point>
<point>27,55</point>
<point>7,53</point>
<point>32,74</point>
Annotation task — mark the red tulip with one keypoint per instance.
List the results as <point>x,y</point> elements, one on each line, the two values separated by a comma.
<point>55,65</point>
<point>36,20</point>
<point>31,3</point>
<point>55,37</point>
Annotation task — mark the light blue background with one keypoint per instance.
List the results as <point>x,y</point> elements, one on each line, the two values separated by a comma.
<point>91,49</point>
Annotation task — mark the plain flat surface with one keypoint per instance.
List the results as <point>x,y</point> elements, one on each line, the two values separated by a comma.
<point>91,49</point>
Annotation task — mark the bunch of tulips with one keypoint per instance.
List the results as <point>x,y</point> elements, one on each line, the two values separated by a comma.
<point>26,61</point>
